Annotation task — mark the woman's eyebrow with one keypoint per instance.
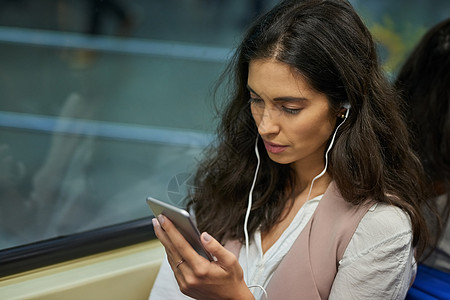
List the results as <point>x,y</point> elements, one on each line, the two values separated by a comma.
<point>280,99</point>
<point>289,99</point>
<point>252,91</point>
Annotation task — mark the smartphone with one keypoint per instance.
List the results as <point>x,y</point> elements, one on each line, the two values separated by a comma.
<point>182,221</point>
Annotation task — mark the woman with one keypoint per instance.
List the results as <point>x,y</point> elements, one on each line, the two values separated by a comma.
<point>424,81</point>
<point>333,210</point>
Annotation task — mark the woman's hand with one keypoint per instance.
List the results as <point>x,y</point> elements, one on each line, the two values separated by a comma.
<point>197,277</point>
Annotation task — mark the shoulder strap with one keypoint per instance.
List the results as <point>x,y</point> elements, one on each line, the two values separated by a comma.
<point>308,269</point>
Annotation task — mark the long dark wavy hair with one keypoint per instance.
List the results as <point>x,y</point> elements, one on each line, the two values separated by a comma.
<point>424,81</point>
<point>329,45</point>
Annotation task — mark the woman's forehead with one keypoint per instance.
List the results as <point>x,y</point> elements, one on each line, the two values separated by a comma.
<point>276,78</point>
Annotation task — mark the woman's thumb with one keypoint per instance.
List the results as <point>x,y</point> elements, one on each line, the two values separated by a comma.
<point>222,255</point>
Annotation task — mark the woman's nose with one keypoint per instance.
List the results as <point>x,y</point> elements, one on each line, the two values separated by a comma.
<point>268,123</point>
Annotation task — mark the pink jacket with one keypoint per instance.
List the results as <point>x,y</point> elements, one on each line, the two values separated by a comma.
<point>309,268</point>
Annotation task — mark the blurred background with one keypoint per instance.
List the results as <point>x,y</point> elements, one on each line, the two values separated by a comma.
<point>103,103</point>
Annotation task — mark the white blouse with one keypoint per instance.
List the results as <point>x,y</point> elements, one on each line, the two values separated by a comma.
<point>377,264</point>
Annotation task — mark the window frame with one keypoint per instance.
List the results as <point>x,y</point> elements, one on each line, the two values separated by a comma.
<point>56,250</point>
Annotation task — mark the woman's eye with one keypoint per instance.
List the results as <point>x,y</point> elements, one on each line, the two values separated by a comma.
<point>255,100</point>
<point>291,111</point>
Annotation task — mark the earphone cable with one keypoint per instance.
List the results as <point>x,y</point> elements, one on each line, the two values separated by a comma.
<point>326,154</point>
<point>247,215</point>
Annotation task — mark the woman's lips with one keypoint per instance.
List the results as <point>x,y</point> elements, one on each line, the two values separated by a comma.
<point>274,148</point>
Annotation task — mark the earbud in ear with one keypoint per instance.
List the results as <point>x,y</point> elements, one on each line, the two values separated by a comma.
<point>343,114</point>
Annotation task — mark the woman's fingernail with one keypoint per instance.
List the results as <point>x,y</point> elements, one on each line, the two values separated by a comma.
<point>161,219</point>
<point>155,222</point>
<point>206,237</point>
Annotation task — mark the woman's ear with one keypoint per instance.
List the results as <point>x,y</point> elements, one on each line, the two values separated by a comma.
<point>344,110</point>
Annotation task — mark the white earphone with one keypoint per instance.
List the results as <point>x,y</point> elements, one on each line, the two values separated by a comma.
<point>247,215</point>
<point>347,106</point>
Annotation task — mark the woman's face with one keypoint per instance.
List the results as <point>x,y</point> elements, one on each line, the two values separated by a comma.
<point>294,120</point>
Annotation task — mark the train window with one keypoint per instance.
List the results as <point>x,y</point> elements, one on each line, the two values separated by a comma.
<point>106,102</point>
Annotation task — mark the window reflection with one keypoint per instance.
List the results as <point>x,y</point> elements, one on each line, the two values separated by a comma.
<point>105,102</point>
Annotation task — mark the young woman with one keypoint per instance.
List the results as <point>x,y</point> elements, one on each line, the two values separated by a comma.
<point>424,81</point>
<point>312,190</point>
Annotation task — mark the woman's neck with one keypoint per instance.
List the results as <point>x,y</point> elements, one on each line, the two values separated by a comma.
<point>300,197</point>
<point>304,190</point>
<point>305,172</point>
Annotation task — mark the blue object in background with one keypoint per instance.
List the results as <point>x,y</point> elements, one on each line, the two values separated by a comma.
<point>430,284</point>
